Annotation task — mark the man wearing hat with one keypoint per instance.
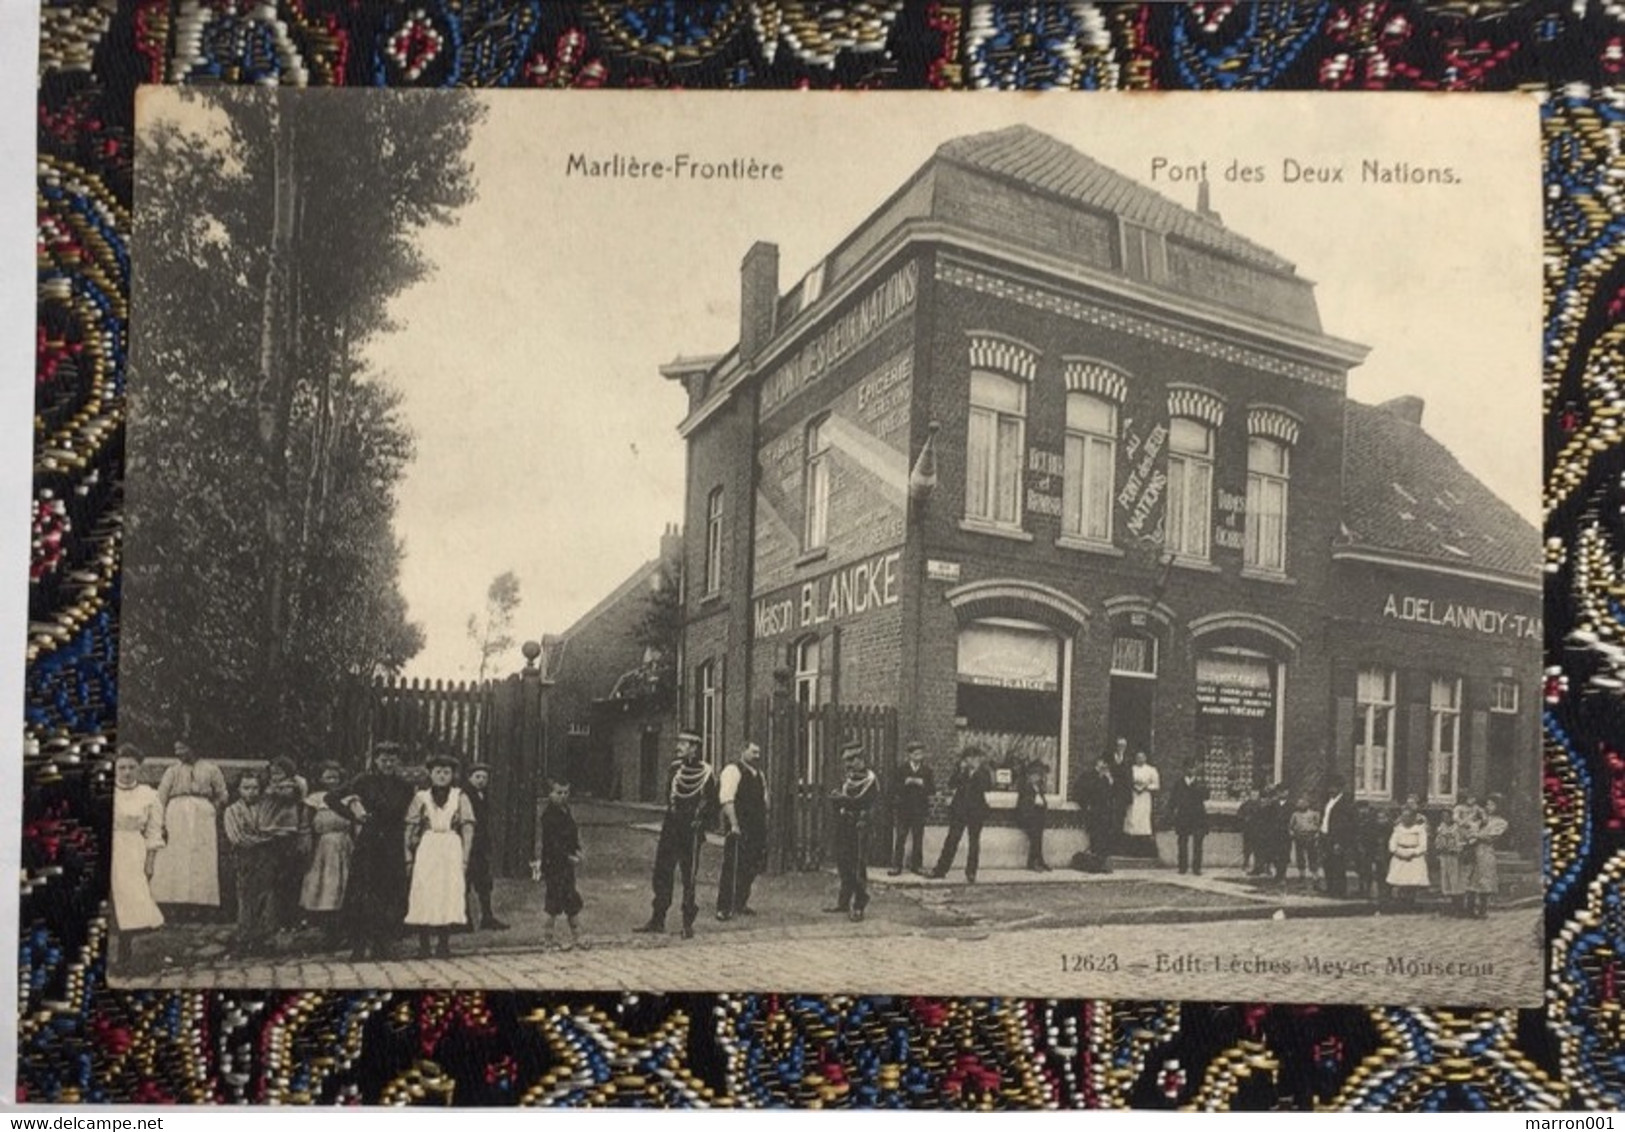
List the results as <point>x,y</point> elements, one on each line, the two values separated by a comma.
<point>911,801</point>
<point>742,791</point>
<point>479,857</point>
<point>853,801</point>
<point>691,805</point>
<point>967,809</point>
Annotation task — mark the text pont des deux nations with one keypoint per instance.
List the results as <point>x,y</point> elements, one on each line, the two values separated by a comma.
<point>1293,171</point>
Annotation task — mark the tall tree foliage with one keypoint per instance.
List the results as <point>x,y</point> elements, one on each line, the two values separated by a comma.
<point>492,630</point>
<point>262,565</point>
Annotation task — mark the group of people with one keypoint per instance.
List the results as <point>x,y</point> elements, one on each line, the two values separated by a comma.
<point>1388,849</point>
<point>361,857</point>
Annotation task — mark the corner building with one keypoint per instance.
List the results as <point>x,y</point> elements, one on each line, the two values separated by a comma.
<point>1041,459</point>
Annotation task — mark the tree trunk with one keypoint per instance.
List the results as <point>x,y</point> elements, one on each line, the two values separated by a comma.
<point>276,380</point>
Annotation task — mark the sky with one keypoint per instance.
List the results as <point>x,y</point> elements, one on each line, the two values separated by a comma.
<point>529,359</point>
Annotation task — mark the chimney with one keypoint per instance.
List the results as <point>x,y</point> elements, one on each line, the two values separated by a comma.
<point>1407,409</point>
<point>758,298</point>
<point>1203,205</point>
<point>671,545</point>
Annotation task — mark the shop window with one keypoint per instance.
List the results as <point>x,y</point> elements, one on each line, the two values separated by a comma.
<point>708,709</point>
<point>816,486</point>
<point>993,450</point>
<point>1504,697</point>
<point>1268,466</point>
<point>1374,733</point>
<point>713,543</point>
<point>1190,488</point>
<point>1091,464</point>
<point>1011,675</point>
<point>1235,720</point>
<point>1444,749</point>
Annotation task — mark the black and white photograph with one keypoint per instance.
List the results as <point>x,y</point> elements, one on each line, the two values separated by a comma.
<point>922,544</point>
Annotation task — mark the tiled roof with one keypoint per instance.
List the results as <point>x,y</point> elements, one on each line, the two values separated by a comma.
<point>1036,159</point>
<point>1404,491</point>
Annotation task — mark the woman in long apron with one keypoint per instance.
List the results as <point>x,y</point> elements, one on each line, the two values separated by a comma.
<point>138,834</point>
<point>321,895</point>
<point>439,837</point>
<point>191,795</point>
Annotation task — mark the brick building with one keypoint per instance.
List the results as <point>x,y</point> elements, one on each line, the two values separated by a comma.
<point>612,698</point>
<point>1041,458</point>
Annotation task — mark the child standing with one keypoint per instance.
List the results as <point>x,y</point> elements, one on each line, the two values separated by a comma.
<point>439,836</point>
<point>561,853</point>
<point>255,848</point>
<point>1448,843</point>
<point>1305,828</point>
<point>1483,873</point>
<point>1408,856</point>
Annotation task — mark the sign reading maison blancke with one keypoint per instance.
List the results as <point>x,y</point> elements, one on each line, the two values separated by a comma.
<point>839,595</point>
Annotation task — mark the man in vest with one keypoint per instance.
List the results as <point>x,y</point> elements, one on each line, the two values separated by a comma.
<point>691,805</point>
<point>742,792</point>
<point>853,801</point>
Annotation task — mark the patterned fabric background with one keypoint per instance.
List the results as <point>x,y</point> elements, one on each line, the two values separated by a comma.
<point>82,1042</point>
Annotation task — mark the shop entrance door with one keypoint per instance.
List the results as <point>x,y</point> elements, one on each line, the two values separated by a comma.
<point>1129,714</point>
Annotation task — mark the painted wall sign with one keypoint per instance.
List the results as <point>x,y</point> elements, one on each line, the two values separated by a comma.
<point>842,338</point>
<point>1144,477</point>
<point>1463,618</point>
<point>1230,531</point>
<point>1046,471</point>
<point>842,594</point>
<point>940,571</point>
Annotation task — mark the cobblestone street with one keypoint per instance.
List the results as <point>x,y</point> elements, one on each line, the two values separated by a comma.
<point>1133,933</point>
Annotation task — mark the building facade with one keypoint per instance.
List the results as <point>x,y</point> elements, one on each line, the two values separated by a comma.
<point>1044,459</point>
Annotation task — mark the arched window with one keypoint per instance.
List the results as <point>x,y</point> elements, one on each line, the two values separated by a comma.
<point>1091,464</point>
<point>993,448</point>
<point>1190,488</point>
<point>815,481</point>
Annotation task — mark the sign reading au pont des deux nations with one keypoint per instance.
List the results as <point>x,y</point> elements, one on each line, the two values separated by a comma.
<point>1463,618</point>
<point>842,594</point>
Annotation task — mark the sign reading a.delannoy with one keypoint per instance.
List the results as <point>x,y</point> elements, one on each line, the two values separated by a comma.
<point>842,594</point>
<point>1463,618</point>
<point>842,338</point>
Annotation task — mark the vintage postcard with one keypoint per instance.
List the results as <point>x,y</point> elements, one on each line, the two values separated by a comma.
<point>1059,546</point>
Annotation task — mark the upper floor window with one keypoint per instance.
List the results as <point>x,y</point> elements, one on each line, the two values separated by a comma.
<point>713,542</point>
<point>993,450</point>
<point>1190,488</point>
<point>815,528</point>
<point>1091,463</point>
<point>1374,733</point>
<point>1268,467</point>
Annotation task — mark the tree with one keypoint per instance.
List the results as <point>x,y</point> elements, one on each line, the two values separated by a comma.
<point>492,632</point>
<point>659,630</point>
<point>263,454</point>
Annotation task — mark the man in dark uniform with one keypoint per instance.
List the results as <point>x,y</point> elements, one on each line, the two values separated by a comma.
<point>479,854</point>
<point>1339,838</point>
<point>376,801</point>
<point>853,801</point>
<point>967,809</point>
<point>742,791</point>
<point>1187,807</point>
<point>911,801</point>
<point>1099,805</point>
<point>691,805</point>
<point>1121,768</point>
